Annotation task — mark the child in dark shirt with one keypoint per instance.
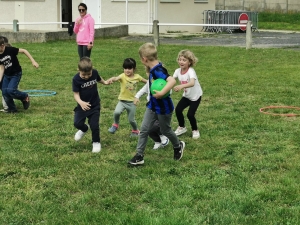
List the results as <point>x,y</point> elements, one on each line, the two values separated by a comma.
<point>86,95</point>
<point>11,74</point>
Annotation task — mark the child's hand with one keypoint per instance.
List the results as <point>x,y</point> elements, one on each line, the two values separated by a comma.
<point>35,64</point>
<point>157,94</point>
<point>109,81</point>
<point>177,88</point>
<point>136,101</point>
<point>85,106</point>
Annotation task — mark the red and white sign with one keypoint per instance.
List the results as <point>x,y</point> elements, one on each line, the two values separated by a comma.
<point>243,19</point>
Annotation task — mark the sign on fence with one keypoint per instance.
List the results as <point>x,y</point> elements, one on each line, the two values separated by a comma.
<point>243,19</point>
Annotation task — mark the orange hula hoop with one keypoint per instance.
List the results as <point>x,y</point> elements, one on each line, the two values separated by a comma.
<point>262,110</point>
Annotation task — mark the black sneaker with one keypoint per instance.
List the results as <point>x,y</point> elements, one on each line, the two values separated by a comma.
<point>137,160</point>
<point>26,102</point>
<point>178,152</point>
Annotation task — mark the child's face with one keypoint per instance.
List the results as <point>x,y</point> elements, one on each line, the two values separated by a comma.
<point>183,63</point>
<point>129,72</point>
<point>85,75</point>
<point>2,48</point>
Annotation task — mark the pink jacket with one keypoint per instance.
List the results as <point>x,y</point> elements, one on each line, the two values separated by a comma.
<point>85,30</point>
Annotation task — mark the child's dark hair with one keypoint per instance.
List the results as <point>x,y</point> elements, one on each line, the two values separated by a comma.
<point>85,64</point>
<point>4,40</point>
<point>129,63</point>
<point>83,5</point>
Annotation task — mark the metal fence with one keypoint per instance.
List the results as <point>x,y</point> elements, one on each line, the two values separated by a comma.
<point>215,18</point>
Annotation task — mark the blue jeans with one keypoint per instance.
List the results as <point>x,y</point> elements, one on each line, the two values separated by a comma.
<point>10,90</point>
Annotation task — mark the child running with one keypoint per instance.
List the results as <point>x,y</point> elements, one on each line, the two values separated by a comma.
<point>86,95</point>
<point>192,92</point>
<point>158,108</point>
<point>11,73</point>
<point>159,139</point>
<point>128,86</point>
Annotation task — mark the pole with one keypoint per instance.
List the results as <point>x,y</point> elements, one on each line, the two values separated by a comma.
<point>248,35</point>
<point>156,32</point>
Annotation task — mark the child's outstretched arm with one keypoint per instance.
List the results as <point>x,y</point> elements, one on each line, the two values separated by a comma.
<point>24,51</point>
<point>113,79</point>
<point>84,105</point>
<point>170,84</point>
<point>179,87</point>
<point>142,91</point>
<point>106,82</point>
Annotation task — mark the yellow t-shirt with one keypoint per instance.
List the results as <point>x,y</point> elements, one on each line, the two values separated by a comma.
<point>128,86</point>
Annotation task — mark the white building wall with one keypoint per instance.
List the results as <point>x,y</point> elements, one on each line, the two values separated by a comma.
<point>185,12</point>
<point>30,11</point>
<point>110,11</point>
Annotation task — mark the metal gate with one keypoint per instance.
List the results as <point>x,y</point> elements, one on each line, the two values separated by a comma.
<point>228,17</point>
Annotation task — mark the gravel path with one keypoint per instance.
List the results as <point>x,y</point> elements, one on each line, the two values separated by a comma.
<point>261,39</point>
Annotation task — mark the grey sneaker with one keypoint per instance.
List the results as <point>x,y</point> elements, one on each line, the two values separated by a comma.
<point>137,160</point>
<point>112,129</point>
<point>178,152</point>
<point>134,133</point>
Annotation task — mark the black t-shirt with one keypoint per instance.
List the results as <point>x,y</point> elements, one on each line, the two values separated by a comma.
<point>87,89</point>
<point>10,61</point>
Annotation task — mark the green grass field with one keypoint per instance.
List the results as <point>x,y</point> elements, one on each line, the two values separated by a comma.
<point>279,21</point>
<point>243,170</point>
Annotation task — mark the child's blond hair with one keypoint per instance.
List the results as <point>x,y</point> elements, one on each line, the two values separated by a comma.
<point>148,51</point>
<point>189,56</point>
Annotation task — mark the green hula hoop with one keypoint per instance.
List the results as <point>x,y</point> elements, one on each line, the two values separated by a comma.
<point>39,93</point>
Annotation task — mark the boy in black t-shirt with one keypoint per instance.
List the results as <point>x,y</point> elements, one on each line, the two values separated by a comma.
<point>11,74</point>
<point>86,95</point>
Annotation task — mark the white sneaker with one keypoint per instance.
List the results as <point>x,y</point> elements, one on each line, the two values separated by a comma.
<point>157,145</point>
<point>196,134</point>
<point>79,134</point>
<point>164,140</point>
<point>96,147</point>
<point>180,130</point>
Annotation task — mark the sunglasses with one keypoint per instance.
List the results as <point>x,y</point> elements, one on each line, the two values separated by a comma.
<point>81,10</point>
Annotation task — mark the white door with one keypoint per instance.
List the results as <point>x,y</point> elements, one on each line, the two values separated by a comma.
<point>94,9</point>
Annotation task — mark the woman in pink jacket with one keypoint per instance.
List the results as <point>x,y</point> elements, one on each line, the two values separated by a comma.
<point>84,29</point>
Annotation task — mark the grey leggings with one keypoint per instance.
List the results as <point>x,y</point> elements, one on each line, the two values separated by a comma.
<point>130,108</point>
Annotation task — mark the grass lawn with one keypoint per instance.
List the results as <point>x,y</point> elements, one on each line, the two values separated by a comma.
<point>243,170</point>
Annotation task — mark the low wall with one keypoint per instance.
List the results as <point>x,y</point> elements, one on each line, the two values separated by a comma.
<point>44,36</point>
